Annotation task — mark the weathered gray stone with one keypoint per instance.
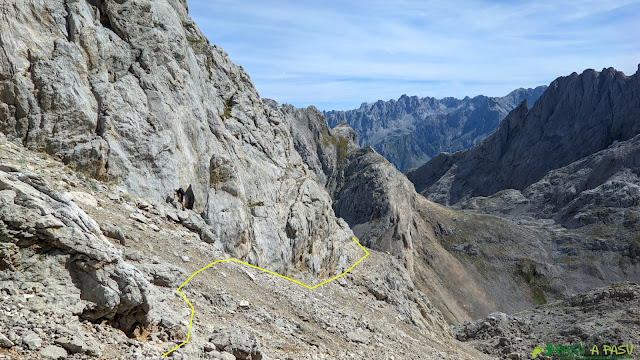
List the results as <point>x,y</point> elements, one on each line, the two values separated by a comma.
<point>139,217</point>
<point>164,274</point>
<point>359,336</point>
<point>117,292</point>
<point>82,198</point>
<point>112,231</point>
<point>194,222</point>
<point>206,235</point>
<point>72,345</point>
<point>241,343</point>
<point>5,342</point>
<point>243,304</point>
<point>32,341</point>
<point>53,353</point>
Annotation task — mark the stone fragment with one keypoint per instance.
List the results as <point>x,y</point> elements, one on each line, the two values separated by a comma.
<point>72,345</point>
<point>503,342</point>
<point>182,215</point>
<point>112,231</point>
<point>32,341</point>
<point>194,222</point>
<point>358,335</point>
<point>207,235</point>
<point>172,215</point>
<point>139,217</point>
<point>9,168</point>
<point>242,344</point>
<point>143,205</point>
<point>53,352</point>
<point>5,342</point>
<point>7,196</point>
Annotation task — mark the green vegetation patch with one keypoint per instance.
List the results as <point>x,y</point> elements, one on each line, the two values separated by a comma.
<point>538,284</point>
<point>227,110</point>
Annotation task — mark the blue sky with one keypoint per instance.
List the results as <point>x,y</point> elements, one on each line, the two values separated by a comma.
<point>339,54</point>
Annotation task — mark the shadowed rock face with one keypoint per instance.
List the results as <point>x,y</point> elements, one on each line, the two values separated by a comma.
<point>577,116</point>
<point>412,130</point>
<point>132,92</point>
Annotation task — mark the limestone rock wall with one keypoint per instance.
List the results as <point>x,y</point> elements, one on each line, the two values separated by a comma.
<point>133,93</point>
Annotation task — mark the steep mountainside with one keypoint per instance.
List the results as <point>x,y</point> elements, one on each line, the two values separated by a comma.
<point>107,108</point>
<point>80,261</point>
<point>577,116</point>
<point>469,264</point>
<point>410,131</point>
<point>135,103</point>
<point>132,92</point>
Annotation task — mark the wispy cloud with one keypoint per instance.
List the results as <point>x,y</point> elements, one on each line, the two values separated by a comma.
<point>338,54</point>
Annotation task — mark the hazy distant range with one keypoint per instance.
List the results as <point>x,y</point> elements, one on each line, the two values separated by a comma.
<point>411,130</point>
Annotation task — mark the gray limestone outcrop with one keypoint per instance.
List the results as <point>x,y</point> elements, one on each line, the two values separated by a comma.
<point>411,130</point>
<point>381,206</point>
<point>42,231</point>
<point>131,92</point>
<point>43,312</point>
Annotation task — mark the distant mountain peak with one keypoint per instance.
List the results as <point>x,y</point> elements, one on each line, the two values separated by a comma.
<point>578,115</point>
<point>411,130</point>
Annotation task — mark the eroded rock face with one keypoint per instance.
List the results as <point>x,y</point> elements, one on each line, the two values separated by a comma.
<point>42,231</point>
<point>411,130</point>
<point>133,93</point>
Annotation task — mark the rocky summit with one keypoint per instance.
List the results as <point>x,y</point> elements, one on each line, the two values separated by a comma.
<point>577,116</point>
<point>411,130</point>
<point>134,155</point>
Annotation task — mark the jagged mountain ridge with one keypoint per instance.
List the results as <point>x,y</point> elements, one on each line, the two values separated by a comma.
<point>578,115</point>
<point>411,130</point>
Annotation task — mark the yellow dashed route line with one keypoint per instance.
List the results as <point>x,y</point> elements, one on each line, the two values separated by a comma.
<point>259,268</point>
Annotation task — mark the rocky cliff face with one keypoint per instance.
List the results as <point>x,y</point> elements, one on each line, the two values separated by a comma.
<point>132,93</point>
<point>135,103</point>
<point>568,167</point>
<point>88,271</point>
<point>411,130</point>
<point>577,116</point>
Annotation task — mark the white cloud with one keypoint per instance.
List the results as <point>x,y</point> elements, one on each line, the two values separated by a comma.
<point>345,53</point>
